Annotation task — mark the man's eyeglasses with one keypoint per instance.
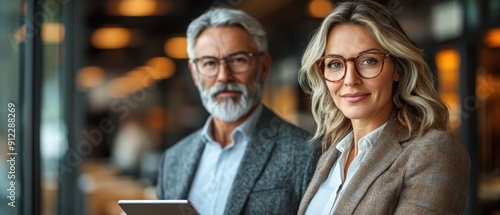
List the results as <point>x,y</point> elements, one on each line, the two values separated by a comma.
<point>237,63</point>
<point>368,65</point>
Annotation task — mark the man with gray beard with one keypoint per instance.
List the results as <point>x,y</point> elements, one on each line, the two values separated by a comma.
<point>245,160</point>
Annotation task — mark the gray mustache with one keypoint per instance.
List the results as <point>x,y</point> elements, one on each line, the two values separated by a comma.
<point>223,87</point>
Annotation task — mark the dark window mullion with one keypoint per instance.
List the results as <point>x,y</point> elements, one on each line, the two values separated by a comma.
<point>31,78</point>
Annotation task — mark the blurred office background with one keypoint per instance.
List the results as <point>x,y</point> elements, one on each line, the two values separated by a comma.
<point>101,88</point>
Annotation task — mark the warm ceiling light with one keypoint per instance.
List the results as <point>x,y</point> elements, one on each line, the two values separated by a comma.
<point>90,76</point>
<point>52,33</point>
<point>161,67</point>
<point>137,7</point>
<point>111,38</point>
<point>320,8</point>
<point>448,63</point>
<point>492,38</point>
<point>448,60</point>
<point>175,47</point>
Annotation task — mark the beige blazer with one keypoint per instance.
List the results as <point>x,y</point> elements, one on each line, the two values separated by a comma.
<point>402,175</point>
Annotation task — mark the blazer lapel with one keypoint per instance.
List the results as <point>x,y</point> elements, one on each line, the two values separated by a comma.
<point>385,151</point>
<point>253,163</point>
<point>324,166</point>
<point>188,168</point>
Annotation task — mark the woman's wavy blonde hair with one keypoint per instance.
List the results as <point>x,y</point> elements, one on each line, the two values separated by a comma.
<point>416,102</point>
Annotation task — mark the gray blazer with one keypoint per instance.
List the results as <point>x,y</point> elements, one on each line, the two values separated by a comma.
<point>402,175</point>
<point>273,175</point>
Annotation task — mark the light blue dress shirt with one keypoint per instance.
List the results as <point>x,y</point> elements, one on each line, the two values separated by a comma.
<point>325,199</point>
<point>218,166</point>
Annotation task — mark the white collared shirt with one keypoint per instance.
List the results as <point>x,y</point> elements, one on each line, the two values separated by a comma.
<point>326,198</point>
<point>218,166</point>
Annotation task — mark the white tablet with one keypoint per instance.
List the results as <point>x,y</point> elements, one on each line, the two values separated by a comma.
<point>158,207</point>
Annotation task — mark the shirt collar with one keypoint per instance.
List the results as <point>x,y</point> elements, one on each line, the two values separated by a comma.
<point>346,143</point>
<point>370,139</point>
<point>246,128</point>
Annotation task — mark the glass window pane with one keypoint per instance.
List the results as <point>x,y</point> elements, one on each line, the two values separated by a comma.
<point>53,131</point>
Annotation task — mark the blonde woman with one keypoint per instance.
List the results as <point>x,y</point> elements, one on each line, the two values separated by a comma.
<point>384,129</point>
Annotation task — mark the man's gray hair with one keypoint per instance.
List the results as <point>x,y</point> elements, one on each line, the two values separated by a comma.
<point>223,17</point>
